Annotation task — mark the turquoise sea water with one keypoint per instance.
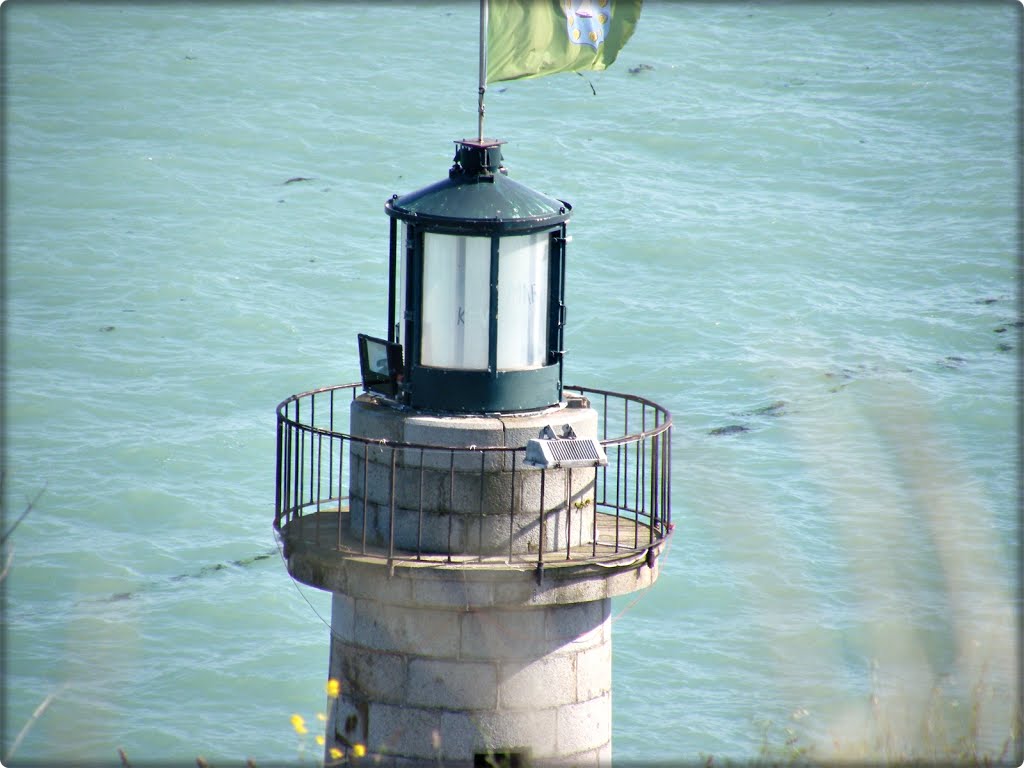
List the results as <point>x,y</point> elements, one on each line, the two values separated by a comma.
<point>800,218</point>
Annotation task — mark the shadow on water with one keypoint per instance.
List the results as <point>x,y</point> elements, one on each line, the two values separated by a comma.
<point>205,571</point>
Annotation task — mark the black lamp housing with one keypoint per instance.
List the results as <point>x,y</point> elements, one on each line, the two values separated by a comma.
<point>477,290</point>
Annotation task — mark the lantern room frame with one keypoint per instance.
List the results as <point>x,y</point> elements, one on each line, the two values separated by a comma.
<point>477,226</point>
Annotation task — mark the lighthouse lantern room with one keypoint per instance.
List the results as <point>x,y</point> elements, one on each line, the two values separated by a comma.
<point>476,307</point>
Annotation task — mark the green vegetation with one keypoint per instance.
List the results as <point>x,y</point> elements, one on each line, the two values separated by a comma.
<point>948,734</point>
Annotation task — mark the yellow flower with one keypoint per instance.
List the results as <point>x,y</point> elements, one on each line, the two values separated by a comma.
<point>299,724</point>
<point>320,740</point>
<point>359,750</point>
<point>321,717</point>
<point>333,688</point>
<point>335,753</point>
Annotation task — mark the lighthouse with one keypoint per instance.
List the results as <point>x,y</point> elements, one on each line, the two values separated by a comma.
<point>471,514</point>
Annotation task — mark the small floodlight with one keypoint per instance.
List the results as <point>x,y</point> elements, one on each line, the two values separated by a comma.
<point>380,363</point>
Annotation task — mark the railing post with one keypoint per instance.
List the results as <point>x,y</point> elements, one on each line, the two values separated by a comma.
<point>297,458</point>
<point>451,501</point>
<point>618,479</point>
<point>330,451</point>
<point>512,506</point>
<point>604,476</point>
<point>639,505</point>
<point>277,473</point>
<point>568,516</point>
<point>624,471</point>
<point>286,481</point>
<point>656,481</point>
<point>366,474</point>
<point>391,521</point>
<point>667,514</point>
<point>341,497</point>
<point>593,503</point>
<point>419,522</point>
<point>480,510</point>
<point>540,528</point>
<point>319,479</point>
<point>314,464</point>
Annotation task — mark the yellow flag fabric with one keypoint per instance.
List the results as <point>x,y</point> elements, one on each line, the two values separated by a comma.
<point>530,38</point>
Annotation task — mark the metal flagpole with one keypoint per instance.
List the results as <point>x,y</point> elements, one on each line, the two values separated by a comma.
<point>483,69</point>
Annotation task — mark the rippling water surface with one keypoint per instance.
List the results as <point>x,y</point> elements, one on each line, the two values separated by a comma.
<point>798,218</point>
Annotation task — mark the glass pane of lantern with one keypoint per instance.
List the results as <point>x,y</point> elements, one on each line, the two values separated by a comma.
<point>523,301</point>
<point>401,272</point>
<point>456,301</point>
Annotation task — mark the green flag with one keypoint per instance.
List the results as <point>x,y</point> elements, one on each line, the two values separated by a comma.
<point>530,38</point>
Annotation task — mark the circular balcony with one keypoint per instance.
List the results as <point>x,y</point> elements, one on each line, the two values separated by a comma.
<point>616,516</point>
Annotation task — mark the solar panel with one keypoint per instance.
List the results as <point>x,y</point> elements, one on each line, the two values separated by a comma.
<point>565,452</point>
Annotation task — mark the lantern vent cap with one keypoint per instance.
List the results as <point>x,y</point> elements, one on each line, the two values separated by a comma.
<point>478,198</point>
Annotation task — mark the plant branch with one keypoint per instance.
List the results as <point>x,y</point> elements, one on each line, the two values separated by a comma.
<point>21,517</point>
<point>31,721</point>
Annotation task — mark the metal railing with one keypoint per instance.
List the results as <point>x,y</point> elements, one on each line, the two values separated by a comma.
<point>631,495</point>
